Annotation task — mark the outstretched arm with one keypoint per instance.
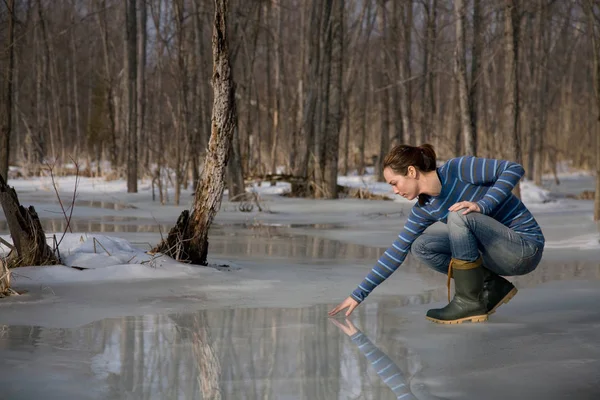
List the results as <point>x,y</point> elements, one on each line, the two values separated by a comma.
<point>393,257</point>
<point>500,175</point>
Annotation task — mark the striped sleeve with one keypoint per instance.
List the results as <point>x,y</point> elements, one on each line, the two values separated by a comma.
<point>393,257</point>
<point>500,175</point>
<point>387,370</point>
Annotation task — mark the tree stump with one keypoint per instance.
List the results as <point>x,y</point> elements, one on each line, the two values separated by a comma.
<point>29,240</point>
<point>178,243</point>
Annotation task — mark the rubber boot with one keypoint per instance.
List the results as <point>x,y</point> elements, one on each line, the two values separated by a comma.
<point>467,304</point>
<point>496,291</point>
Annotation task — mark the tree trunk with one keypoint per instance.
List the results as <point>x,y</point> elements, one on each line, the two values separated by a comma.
<point>78,134</point>
<point>188,240</point>
<point>427,90</point>
<point>475,73</point>
<point>323,111</point>
<point>593,22</point>
<point>6,128</point>
<point>28,237</point>
<point>202,101</point>
<point>334,120</point>
<point>277,89</point>
<point>235,170</point>
<point>539,149</point>
<point>131,94</point>
<point>182,113</point>
<point>310,95</point>
<point>110,99</point>
<point>511,82</point>
<point>141,135</point>
<point>383,95</point>
<point>406,18</point>
<point>460,71</point>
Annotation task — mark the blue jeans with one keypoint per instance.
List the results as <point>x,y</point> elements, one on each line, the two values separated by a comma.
<point>504,251</point>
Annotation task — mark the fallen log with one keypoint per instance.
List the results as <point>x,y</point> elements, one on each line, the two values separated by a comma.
<point>29,239</point>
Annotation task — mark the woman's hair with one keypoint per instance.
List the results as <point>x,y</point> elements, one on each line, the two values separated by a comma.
<point>403,156</point>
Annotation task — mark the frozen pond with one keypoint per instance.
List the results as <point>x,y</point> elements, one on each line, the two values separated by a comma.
<point>259,329</point>
<point>160,345</point>
<point>527,352</point>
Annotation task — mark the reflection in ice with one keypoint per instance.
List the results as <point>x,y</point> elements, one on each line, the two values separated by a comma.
<point>227,354</point>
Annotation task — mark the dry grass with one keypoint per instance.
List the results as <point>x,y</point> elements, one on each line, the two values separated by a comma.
<point>363,194</point>
<point>585,195</point>
<point>5,276</point>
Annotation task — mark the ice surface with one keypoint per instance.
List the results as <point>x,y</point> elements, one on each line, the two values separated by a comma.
<point>126,324</point>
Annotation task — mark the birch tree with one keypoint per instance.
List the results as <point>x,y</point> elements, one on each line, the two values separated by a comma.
<point>188,240</point>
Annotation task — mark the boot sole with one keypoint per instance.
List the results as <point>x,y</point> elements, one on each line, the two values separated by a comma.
<point>476,318</point>
<point>505,300</point>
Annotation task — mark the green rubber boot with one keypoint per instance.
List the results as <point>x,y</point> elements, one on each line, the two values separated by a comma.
<point>467,304</point>
<point>496,291</point>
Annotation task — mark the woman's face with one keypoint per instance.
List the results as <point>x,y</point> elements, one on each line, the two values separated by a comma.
<point>406,186</point>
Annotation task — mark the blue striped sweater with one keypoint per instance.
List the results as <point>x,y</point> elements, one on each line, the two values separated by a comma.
<point>487,182</point>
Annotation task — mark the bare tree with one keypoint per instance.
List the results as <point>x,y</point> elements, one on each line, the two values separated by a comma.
<point>593,31</point>
<point>460,71</point>
<point>334,119</point>
<point>131,93</point>
<point>8,93</point>
<point>404,11</point>
<point>188,240</point>
<point>141,135</point>
<point>511,83</point>
<point>383,95</point>
<point>429,50</point>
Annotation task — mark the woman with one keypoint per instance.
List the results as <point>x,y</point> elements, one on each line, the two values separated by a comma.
<point>490,231</point>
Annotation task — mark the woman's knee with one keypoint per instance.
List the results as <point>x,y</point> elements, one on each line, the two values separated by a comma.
<point>419,247</point>
<point>457,218</point>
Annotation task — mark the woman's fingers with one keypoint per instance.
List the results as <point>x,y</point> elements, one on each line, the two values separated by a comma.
<point>470,207</point>
<point>349,303</point>
<point>351,308</point>
<point>339,308</point>
<point>335,310</point>
<point>457,206</point>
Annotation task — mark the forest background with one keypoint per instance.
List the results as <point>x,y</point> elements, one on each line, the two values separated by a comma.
<point>322,88</point>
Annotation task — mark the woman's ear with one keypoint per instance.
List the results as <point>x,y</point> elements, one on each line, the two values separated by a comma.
<point>412,172</point>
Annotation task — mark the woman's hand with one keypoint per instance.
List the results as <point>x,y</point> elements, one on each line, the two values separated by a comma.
<point>470,207</point>
<point>349,303</point>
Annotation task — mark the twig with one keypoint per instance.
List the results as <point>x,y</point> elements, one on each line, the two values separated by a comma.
<point>57,250</point>
<point>159,228</point>
<point>4,242</point>
<point>72,202</point>
<point>51,169</point>
<point>96,240</point>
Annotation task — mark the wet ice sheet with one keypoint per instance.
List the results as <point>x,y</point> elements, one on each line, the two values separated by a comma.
<point>238,354</point>
<point>540,346</point>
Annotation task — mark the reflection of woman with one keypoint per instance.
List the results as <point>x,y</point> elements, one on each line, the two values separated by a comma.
<point>387,370</point>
